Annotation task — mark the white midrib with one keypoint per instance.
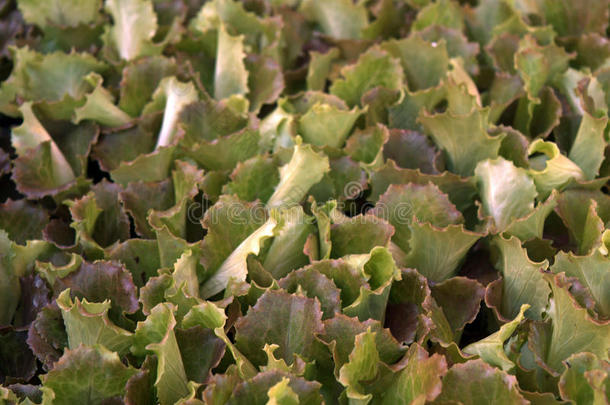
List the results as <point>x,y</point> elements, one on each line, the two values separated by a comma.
<point>169,119</point>
<point>125,41</point>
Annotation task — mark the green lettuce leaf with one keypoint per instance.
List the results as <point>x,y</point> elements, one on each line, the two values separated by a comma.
<point>491,349</point>
<point>424,63</point>
<point>325,124</point>
<point>522,282</point>
<point>474,382</point>
<point>286,252</point>
<point>380,270</point>
<point>305,168</point>
<point>319,68</point>
<point>56,78</point>
<point>571,330</point>
<point>549,168</point>
<point>156,335</point>
<point>230,74</point>
<point>400,204</point>
<point>22,220</point>
<point>437,252</point>
<point>366,74</point>
<point>99,106</point>
<point>86,374</point>
<point>99,219</point>
<point>235,230</point>
<point>314,284</point>
<point>135,24</point>
<point>60,12</point>
<point>337,18</point>
<point>507,192</point>
<point>579,214</point>
<point>463,138</point>
<point>31,134</point>
<point>412,150</point>
<point>590,137</point>
<point>461,191</point>
<point>362,365</point>
<point>590,270</point>
<point>87,323</point>
<point>445,13</point>
<point>208,315</point>
<point>260,389</point>
<point>290,321</point>
<point>415,379</point>
<point>585,380</point>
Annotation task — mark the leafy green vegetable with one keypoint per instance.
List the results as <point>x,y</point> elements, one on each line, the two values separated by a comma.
<point>304,202</point>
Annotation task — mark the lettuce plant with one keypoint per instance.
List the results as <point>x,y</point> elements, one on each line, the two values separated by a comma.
<point>304,202</point>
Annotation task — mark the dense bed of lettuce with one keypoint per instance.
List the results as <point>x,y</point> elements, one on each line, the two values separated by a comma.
<point>304,201</point>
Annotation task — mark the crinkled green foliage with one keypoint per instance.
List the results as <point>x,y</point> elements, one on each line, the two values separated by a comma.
<point>304,202</point>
